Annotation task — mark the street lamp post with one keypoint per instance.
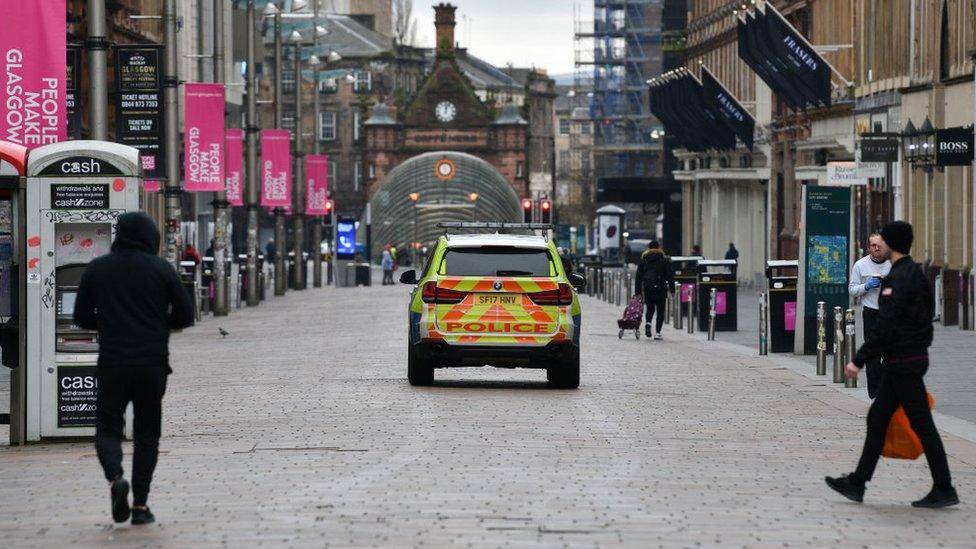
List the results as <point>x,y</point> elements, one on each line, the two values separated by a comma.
<point>97,44</point>
<point>298,194</point>
<point>252,186</point>
<point>220,204</point>
<point>280,237</point>
<point>173,191</point>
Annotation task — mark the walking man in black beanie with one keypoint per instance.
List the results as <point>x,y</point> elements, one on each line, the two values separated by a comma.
<point>901,336</point>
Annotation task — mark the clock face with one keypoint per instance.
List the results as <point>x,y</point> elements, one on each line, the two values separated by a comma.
<point>445,111</point>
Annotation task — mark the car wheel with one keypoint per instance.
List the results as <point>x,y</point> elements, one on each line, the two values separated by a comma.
<point>567,375</point>
<point>418,372</point>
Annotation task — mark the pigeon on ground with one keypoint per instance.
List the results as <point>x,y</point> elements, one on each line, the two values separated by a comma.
<point>223,332</point>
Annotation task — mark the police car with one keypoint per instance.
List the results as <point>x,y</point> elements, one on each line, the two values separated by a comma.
<point>502,300</point>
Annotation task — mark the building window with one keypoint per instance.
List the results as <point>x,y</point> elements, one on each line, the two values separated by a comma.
<point>328,85</point>
<point>372,170</point>
<point>364,82</point>
<point>327,126</point>
<point>585,128</point>
<point>563,126</point>
<point>288,121</point>
<point>356,119</point>
<point>287,81</point>
<point>520,169</point>
<point>357,176</point>
<point>333,175</point>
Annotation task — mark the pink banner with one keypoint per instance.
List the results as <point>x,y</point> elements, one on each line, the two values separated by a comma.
<point>151,186</point>
<point>275,168</point>
<point>317,187</point>
<point>33,51</point>
<point>789,316</point>
<point>234,147</point>
<point>203,142</point>
<point>721,303</point>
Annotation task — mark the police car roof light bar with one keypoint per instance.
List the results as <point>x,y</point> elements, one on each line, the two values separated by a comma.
<point>494,225</point>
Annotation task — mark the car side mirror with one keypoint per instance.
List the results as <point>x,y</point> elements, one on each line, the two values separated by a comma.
<point>578,281</point>
<point>409,277</point>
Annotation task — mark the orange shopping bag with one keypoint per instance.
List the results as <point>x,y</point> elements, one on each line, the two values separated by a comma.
<point>901,442</point>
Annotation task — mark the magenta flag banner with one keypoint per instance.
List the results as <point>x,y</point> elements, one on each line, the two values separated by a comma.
<point>203,142</point>
<point>234,147</point>
<point>275,168</point>
<point>317,186</point>
<point>33,51</point>
<point>151,186</point>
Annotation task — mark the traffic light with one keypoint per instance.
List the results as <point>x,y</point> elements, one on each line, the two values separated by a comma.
<point>329,206</point>
<point>545,211</point>
<point>527,210</point>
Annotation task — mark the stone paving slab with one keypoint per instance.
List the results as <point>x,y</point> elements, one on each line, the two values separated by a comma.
<point>300,430</point>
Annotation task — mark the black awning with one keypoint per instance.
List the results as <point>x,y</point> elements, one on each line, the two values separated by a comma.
<point>809,67</point>
<point>732,113</point>
<point>678,100</point>
<point>783,59</point>
<point>647,190</point>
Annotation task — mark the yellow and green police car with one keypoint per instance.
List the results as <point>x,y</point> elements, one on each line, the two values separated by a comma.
<point>502,300</point>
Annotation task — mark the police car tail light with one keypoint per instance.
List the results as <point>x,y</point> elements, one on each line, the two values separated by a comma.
<point>561,296</point>
<point>433,294</point>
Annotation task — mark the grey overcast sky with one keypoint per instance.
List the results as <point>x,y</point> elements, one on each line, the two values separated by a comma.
<point>523,32</point>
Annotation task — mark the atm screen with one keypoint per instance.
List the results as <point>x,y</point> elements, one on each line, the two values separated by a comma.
<point>66,303</point>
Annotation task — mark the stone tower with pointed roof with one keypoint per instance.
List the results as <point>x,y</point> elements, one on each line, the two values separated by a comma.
<point>445,114</point>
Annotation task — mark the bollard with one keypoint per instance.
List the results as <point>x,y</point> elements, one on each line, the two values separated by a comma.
<point>621,282</point>
<point>838,345</point>
<point>629,283</point>
<point>692,307</point>
<point>850,345</point>
<point>590,281</point>
<point>763,324</point>
<point>711,314</point>
<point>821,338</point>
<point>678,313</point>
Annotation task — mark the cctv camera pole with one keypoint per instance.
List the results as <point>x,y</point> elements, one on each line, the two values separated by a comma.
<point>220,204</point>
<point>298,188</point>
<point>173,191</point>
<point>251,186</point>
<point>281,278</point>
<point>316,221</point>
<point>97,89</point>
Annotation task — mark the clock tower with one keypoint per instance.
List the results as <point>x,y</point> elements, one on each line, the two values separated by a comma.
<point>446,114</point>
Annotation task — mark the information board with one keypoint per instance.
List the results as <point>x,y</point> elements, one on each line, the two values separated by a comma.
<point>138,103</point>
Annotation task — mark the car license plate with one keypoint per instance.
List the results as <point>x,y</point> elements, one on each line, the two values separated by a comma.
<point>496,299</point>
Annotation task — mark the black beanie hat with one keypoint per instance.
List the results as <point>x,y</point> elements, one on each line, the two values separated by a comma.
<point>898,236</point>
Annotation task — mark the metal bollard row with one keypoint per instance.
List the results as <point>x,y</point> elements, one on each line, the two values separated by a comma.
<point>678,314</point>
<point>838,345</point>
<point>763,324</point>
<point>711,314</point>
<point>692,307</point>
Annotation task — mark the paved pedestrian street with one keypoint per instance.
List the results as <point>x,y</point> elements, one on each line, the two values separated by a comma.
<point>299,430</point>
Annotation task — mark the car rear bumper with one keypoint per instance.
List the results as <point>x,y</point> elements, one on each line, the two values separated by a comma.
<point>443,355</point>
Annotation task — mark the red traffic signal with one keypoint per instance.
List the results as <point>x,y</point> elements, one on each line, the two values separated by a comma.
<point>545,208</point>
<point>527,210</point>
<point>329,206</point>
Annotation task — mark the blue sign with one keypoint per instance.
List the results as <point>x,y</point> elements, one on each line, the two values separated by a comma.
<point>345,238</point>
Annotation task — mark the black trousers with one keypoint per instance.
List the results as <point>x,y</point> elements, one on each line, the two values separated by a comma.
<point>902,385</point>
<point>873,366</point>
<point>144,387</point>
<point>652,303</point>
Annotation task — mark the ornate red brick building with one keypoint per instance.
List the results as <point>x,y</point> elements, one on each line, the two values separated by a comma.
<point>445,114</point>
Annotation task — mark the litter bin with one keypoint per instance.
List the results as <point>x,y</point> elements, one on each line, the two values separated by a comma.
<point>781,281</point>
<point>188,276</point>
<point>363,274</point>
<point>719,274</point>
<point>684,269</point>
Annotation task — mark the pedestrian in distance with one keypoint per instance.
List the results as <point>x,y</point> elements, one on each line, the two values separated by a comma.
<point>133,298</point>
<point>901,337</point>
<point>696,251</point>
<point>387,263</point>
<point>653,281</point>
<point>865,284</point>
<point>270,251</point>
<point>191,254</point>
<point>732,253</point>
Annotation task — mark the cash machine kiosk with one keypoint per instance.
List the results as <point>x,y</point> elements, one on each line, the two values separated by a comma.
<point>75,193</point>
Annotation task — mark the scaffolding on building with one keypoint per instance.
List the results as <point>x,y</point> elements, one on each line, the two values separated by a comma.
<point>616,53</point>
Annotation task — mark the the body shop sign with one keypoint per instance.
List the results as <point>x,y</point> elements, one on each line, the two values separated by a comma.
<point>33,50</point>
<point>275,170</point>
<point>954,147</point>
<point>203,143</point>
<point>317,187</point>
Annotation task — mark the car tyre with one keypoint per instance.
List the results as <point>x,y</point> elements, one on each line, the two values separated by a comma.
<point>419,373</point>
<point>567,375</point>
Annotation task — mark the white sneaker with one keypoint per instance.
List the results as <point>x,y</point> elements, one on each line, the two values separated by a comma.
<point>658,336</point>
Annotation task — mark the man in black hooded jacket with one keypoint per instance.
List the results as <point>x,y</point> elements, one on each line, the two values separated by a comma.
<point>133,298</point>
<point>653,281</point>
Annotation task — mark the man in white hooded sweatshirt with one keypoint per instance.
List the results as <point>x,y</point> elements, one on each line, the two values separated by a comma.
<point>864,284</point>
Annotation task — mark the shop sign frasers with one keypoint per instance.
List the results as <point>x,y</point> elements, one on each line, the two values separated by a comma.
<point>79,196</point>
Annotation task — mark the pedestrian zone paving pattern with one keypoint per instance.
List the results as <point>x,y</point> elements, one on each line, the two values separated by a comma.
<point>300,430</point>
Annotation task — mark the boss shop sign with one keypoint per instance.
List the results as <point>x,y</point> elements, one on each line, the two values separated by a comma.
<point>77,396</point>
<point>954,147</point>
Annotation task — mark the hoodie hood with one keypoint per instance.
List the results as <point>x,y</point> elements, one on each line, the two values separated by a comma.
<point>136,231</point>
<point>653,254</point>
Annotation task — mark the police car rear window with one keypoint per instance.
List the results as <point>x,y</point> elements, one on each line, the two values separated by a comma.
<point>496,261</point>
